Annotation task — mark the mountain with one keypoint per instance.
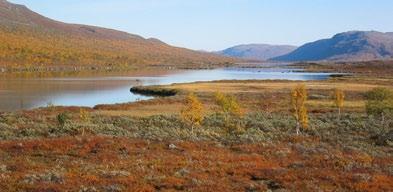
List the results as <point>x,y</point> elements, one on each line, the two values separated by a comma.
<point>257,51</point>
<point>30,40</point>
<point>350,46</point>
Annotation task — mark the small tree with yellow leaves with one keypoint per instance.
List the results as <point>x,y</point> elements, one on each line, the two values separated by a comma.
<point>298,101</point>
<point>193,112</point>
<point>339,97</point>
<point>85,117</point>
<point>228,105</point>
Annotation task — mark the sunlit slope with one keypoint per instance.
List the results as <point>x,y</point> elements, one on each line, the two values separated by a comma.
<point>31,40</point>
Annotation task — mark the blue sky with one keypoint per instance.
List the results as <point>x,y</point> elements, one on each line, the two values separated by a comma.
<point>218,24</point>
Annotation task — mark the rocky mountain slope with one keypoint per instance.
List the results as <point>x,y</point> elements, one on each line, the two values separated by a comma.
<point>257,51</point>
<point>353,45</point>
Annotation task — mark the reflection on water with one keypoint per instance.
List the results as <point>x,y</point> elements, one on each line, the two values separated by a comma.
<point>27,93</point>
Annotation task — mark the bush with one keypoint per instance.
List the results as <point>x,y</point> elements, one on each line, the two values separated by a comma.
<point>380,103</point>
<point>229,105</point>
<point>84,115</point>
<point>299,96</point>
<point>193,111</point>
<point>339,97</point>
<point>62,119</point>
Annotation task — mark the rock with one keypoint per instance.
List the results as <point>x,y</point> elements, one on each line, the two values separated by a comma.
<point>113,188</point>
<point>362,177</point>
<point>182,172</point>
<point>318,97</point>
<point>87,189</point>
<point>196,181</point>
<point>385,139</point>
<point>297,165</point>
<point>50,177</point>
<point>3,168</point>
<point>172,146</point>
<point>114,174</point>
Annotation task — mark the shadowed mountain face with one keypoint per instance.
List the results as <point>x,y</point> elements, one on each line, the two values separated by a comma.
<point>257,51</point>
<point>31,39</point>
<point>354,45</point>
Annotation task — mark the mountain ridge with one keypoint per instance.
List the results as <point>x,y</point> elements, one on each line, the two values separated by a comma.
<point>22,15</point>
<point>256,51</point>
<point>351,45</point>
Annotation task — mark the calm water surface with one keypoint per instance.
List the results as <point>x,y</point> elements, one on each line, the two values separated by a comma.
<point>28,93</point>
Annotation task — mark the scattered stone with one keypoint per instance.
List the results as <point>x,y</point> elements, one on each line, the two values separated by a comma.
<point>385,139</point>
<point>182,172</point>
<point>172,146</point>
<point>318,97</point>
<point>3,168</point>
<point>271,184</point>
<point>362,177</point>
<point>283,152</point>
<point>296,165</point>
<point>113,174</point>
<point>49,177</point>
<point>113,188</point>
<point>87,189</point>
<point>196,182</point>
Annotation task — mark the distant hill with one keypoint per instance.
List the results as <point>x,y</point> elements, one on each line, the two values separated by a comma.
<point>30,40</point>
<point>353,45</point>
<point>257,51</point>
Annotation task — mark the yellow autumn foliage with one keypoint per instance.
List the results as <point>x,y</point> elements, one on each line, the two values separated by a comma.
<point>339,97</point>
<point>41,50</point>
<point>193,111</point>
<point>228,105</point>
<point>84,115</point>
<point>299,97</point>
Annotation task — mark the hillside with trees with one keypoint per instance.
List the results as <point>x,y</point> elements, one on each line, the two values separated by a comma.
<point>30,41</point>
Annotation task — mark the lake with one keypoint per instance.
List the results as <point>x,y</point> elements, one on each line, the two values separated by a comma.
<point>18,93</point>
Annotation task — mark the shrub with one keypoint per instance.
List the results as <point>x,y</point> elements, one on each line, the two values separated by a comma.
<point>85,118</point>
<point>379,103</point>
<point>62,119</point>
<point>339,97</point>
<point>299,110</point>
<point>228,105</point>
<point>84,115</point>
<point>231,111</point>
<point>193,112</point>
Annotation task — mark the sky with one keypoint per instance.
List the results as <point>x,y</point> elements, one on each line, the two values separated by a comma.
<point>219,24</point>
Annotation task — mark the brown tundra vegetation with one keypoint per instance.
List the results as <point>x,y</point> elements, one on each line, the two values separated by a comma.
<point>147,145</point>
